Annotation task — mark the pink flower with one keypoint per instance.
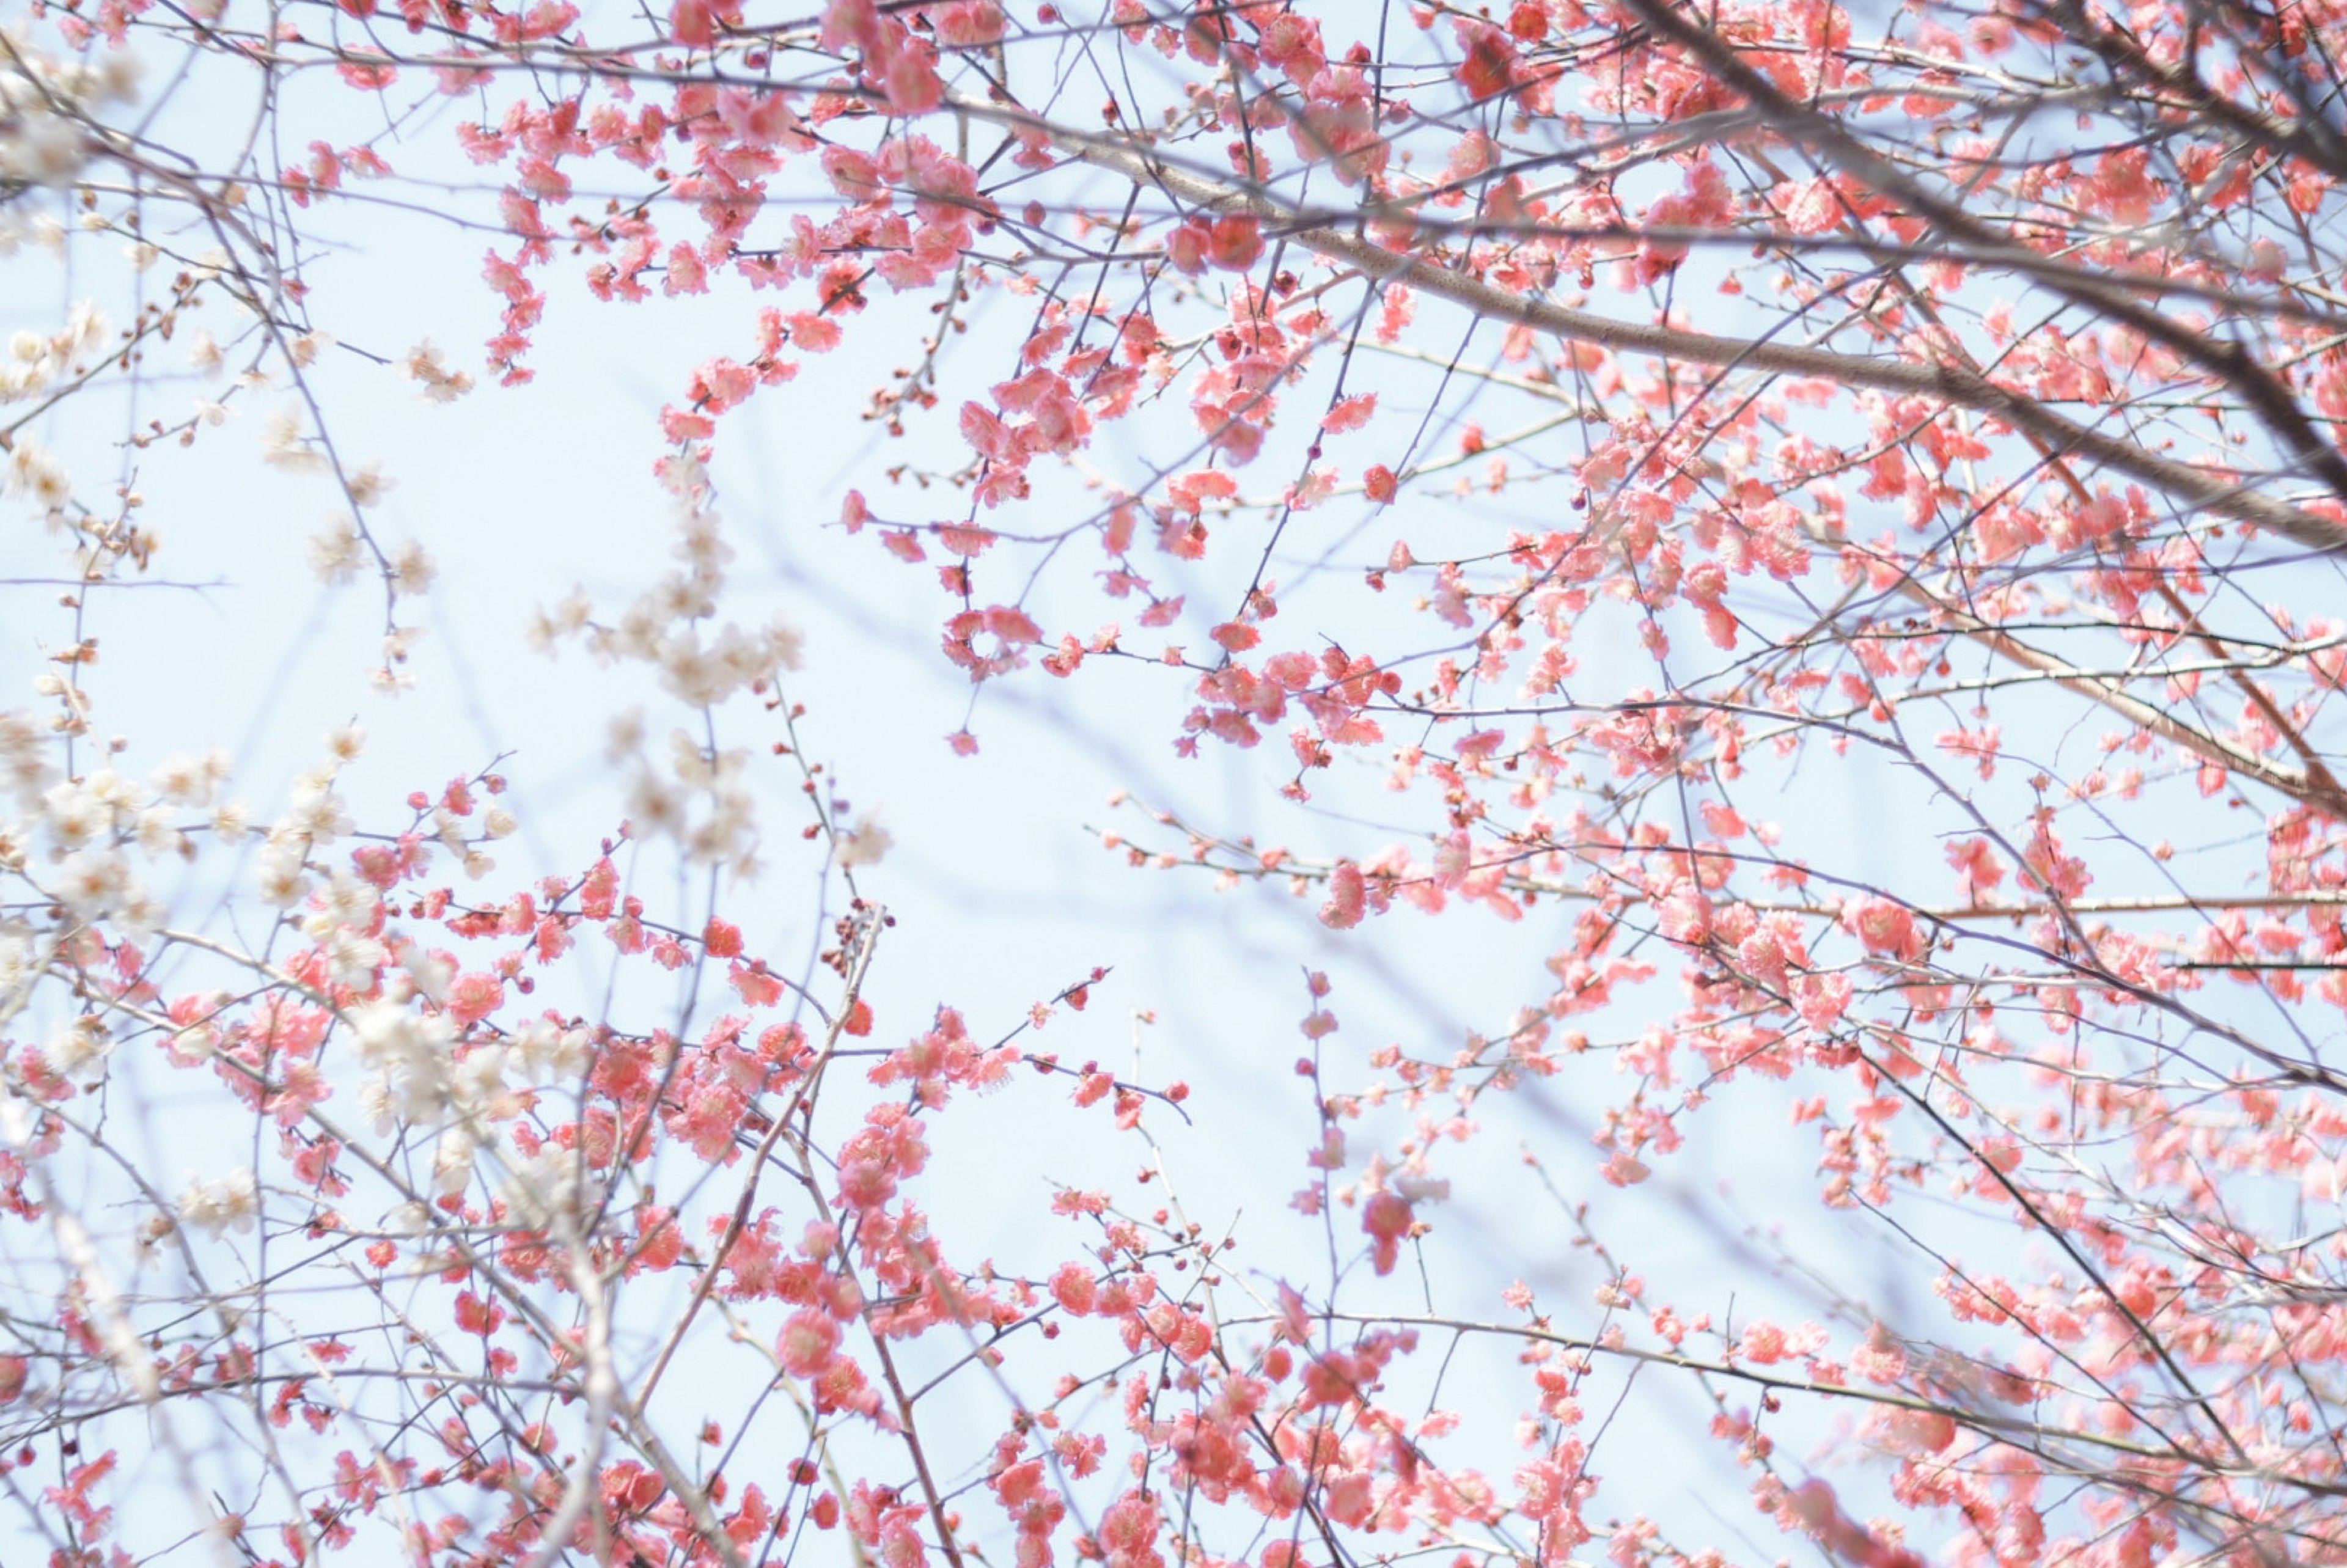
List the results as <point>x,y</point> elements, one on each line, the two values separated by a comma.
<point>473,997</point>
<point>1623,1169</point>
<point>1346,894</point>
<point>807,1342</point>
<point>685,273</point>
<point>1074,1288</point>
<point>1884,926</point>
<point>1387,1218</point>
<point>1979,744</point>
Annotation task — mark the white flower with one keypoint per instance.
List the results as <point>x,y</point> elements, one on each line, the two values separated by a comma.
<point>701,547</point>
<point>554,1185</point>
<point>549,1052</point>
<point>347,901</point>
<point>316,812</point>
<point>412,570</point>
<point>42,149</point>
<point>549,626</point>
<point>183,780</point>
<point>283,444</point>
<point>413,1053</point>
<point>374,1102</point>
<point>784,643</point>
<point>367,485</point>
<point>865,844</point>
<point>204,353</point>
<point>92,882</point>
<point>139,915</point>
<point>229,1203</point>
<point>625,736</point>
<point>158,836</point>
<point>683,476</point>
<point>337,551</point>
<point>430,972</point>
<point>75,816</point>
<point>20,379</point>
<point>180,780</point>
<point>352,959</point>
<point>87,328</point>
<point>654,807</point>
<point>281,875</point>
<point>78,1050</point>
<point>117,77</point>
<point>389,678</point>
<point>198,1041</point>
<point>426,366</point>
<point>38,476</point>
<point>122,795</point>
<point>24,754</point>
<point>1418,1189</point>
<point>452,1159</point>
<point>690,673</point>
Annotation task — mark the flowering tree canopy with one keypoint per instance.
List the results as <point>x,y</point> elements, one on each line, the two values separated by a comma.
<point>1656,423</point>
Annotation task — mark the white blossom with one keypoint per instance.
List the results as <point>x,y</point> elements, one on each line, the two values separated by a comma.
<point>95,882</point>
<point>337,550</point>
<point>158,835</point>
<point>412,1052</point>
<point>75,816</point>
<point>38,476</point>
<point>284,447</point>
<point>282,875</point>
<point>204,354</point>
<point>79,1048</point>
<point>547,1052</point>
<point>231,1202</point>
<point>87,329</point>
<point>317,813</point>
<point>412,570</point>
<point>183,780</point>
<point>452,1159</point>
<point>865,844</point>
<point>352,959</point>
<point>25,763</point>
<point>427,366</point>
<point>17,966</point>
<point>552,1185</point>
<point>367,485</point>
<point>548,626</point>
<point>41,148</point>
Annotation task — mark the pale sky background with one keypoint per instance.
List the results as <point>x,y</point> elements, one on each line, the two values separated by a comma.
<point>1001,896</point>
